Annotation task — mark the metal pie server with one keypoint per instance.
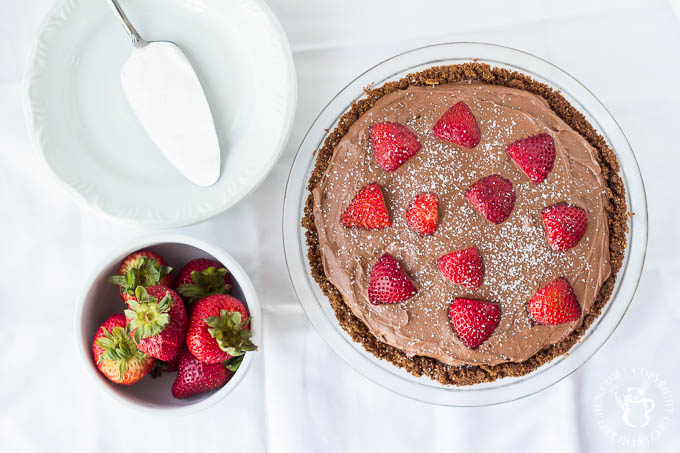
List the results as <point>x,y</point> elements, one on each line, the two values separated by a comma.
<point>166,95</point>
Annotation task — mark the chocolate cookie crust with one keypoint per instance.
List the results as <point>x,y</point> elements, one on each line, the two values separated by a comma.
<point>616,211</point>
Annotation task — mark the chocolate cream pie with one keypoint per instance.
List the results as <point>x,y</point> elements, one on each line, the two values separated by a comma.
<point>466,223</point>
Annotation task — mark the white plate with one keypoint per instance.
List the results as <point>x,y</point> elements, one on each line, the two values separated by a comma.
<point>80,120</point>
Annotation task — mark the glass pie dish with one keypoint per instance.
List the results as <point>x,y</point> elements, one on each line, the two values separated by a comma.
<point>317,306</point>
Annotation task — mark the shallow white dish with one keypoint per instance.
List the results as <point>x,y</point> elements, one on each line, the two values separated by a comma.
<point>81,122</point>
<point>100,300</point>
<point>317,306</point>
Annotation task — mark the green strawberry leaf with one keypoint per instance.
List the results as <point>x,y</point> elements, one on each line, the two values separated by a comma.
<point>206,283</point>
<point>234,363</point>
<point>227,330</point>
<point>118,280</point>
<point>118,346</point>
<point>148,316</point>
<point>147,272</point>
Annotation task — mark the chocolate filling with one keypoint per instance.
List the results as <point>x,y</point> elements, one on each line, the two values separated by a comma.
<point>447,361</point>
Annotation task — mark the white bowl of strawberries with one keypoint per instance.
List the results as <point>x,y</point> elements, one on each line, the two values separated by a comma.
<point>168,324</point>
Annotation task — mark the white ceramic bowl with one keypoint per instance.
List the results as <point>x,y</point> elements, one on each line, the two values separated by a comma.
<point>100,300</point>
<point>81,123</point>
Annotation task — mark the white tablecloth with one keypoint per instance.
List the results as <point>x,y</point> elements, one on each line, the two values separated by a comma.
<point>300,396</point>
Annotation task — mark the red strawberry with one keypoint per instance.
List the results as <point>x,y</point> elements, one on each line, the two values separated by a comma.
<point>474,320</point>
<point>194,376</point>
<point>493,197</point>
<point>116,355</point>
<point>143,268</point>
<point>554,304</point>
<point>535,156</point>
<point>201,278</point>
<point>464,267</point>
<point>422,213</point>
<point>367,209</point>
<point>393,144</point>
<point>458,125</point>
<point>219,329</point>
<point>389,284</point>
<point>157,320</point>
<point>565,225</point>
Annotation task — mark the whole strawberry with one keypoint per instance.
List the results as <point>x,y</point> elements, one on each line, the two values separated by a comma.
<point>554,304</point>
<point>194,376</point>
<point>219,329</point>
<point>157,320</point>
<point>367,210</point>
<point>393,144</point>
<point>116,355</point>
<point>389,284</point>
<point>458,125</point>
<point>201,278</point>
<point>143,268</point>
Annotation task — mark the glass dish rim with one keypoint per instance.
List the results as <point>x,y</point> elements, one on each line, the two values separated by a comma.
<point>295,195</point>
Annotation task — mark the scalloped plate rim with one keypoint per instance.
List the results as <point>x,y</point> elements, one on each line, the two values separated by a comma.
<point>32,72</point>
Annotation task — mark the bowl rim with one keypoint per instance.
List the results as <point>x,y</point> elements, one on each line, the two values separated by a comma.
<point>118,252</point>
<point>30,72</point>
<point>389,376</point>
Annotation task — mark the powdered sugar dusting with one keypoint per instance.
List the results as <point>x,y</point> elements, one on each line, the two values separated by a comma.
<point>517,258</point>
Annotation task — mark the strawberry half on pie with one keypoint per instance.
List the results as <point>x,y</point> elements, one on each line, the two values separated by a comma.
<point>465,223</point>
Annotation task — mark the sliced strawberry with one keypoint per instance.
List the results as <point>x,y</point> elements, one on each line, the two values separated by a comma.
<point>367,210</point>
<point>564,225</point>
<point>458,125</point>
<point>493,197</point>
<point>474,320</point>
<point>554,304</point>
<point>464,267</point>
<point>389,284</point>
<point>422,213</point>
<point>534,155</point>
<point>393,144</point>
